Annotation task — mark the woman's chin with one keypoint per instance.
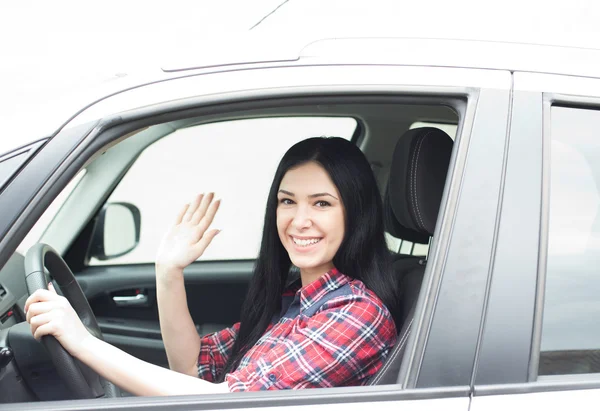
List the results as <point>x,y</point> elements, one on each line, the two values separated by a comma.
<point>311,265</point>
<point>303,264</point>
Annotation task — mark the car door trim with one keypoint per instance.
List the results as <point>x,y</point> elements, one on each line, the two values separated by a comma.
<point>93,280</point>
<point>504,353</point>
<point>531,387</point>
<point>263,399</point>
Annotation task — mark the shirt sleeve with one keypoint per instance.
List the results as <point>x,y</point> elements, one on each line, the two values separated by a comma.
<point>343,344</point>
<point>215,349</point>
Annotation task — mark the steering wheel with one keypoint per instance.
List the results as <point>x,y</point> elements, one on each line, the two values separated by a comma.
<point>81,380</point>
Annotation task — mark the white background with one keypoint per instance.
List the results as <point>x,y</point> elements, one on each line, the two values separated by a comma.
<point>49,49</point>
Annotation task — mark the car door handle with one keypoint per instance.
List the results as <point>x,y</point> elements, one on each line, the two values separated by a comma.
<point>131,300</point>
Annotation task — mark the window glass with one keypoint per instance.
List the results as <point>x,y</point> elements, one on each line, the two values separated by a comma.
<point>571,319</point>
<point>44,221</point>
<point>450,129</point>
<point>235,159</point>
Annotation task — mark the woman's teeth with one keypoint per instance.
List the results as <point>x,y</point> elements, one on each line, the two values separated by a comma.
<point>305,243</point>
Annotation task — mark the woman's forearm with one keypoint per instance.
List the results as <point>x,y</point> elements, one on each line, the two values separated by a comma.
<point>138,377</point>
<point>182,342</point>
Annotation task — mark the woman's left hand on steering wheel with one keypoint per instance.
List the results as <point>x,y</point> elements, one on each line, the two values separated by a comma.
<point>51,314</point>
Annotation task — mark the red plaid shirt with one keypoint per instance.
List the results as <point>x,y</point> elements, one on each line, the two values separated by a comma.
<point>344,343</point>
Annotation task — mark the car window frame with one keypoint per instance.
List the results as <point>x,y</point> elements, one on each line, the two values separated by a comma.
<point>102,134</point>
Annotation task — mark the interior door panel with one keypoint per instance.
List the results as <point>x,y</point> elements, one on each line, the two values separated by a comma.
<point>215,293</point>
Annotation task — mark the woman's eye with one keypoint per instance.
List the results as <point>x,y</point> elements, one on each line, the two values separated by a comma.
<point>286,201</point>
<point>322,203</point>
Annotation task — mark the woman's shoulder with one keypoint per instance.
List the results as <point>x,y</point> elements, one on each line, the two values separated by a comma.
<point>363,301</point>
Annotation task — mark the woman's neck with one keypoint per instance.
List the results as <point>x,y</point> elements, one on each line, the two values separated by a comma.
<point>308,275</point>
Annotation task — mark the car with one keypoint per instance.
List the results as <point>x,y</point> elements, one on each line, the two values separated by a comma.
<point>486,154</point>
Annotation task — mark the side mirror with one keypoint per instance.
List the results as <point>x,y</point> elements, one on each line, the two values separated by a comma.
<point>116,232</point>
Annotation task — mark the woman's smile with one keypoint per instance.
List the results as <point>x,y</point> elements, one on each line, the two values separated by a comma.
<point>305,245</point>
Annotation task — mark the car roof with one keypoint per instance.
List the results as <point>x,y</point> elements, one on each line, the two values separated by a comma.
<point>258,50</point>
<point>417,51</point>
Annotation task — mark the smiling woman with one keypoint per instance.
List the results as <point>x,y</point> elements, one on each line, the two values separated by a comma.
<point>345,296</point>
<point>323,216</point>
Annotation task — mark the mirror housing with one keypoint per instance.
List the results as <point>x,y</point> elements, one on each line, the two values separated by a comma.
<point>116,231</point>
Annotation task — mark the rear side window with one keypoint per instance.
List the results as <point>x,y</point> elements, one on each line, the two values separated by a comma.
<point>571,319</point>
<point>235,159</point>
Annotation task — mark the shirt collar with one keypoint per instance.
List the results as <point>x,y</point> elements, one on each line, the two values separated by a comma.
<point>313,292</point>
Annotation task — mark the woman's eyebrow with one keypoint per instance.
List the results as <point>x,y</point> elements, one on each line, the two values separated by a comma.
<point>322,195</point>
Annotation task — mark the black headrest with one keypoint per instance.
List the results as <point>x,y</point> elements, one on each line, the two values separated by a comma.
<point>416,183</point>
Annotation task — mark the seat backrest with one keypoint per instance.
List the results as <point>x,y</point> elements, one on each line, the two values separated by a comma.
<point>411,205</point>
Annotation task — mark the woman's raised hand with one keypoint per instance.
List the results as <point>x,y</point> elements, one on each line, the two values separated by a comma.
<point>187,239</point>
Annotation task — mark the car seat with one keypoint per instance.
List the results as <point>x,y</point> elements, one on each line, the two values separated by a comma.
<point>412,200</point>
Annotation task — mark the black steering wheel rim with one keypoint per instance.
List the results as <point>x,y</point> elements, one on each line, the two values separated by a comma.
<point>81,380</point>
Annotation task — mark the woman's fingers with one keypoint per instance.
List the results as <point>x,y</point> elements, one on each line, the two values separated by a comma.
<point>178,246</point>
<point>41,313</point>
<point>44,329</point>
<point>210,215</point>
<point>201,211</point>
<point>181,214</point>
<point>205,241</point>
<point>39,308</point>
<point>39,296</point>
<point>38,321</point>
<point>192,208</point>
<point>202,206</point>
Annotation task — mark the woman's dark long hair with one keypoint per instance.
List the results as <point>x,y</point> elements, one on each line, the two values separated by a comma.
<point>362,255</point>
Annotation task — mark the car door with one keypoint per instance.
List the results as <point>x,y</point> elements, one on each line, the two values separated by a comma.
<point>541,344</point>
<point>440,354</point>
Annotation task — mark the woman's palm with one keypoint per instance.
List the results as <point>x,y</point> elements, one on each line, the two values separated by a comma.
<point>188,238</point>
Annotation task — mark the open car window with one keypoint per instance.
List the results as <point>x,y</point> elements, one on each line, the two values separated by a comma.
<point>227,158</point>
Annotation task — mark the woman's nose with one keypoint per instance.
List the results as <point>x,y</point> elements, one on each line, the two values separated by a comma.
<point>301,219</point>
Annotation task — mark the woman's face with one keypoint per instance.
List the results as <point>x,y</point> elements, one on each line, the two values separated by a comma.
<point>310,218</point>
